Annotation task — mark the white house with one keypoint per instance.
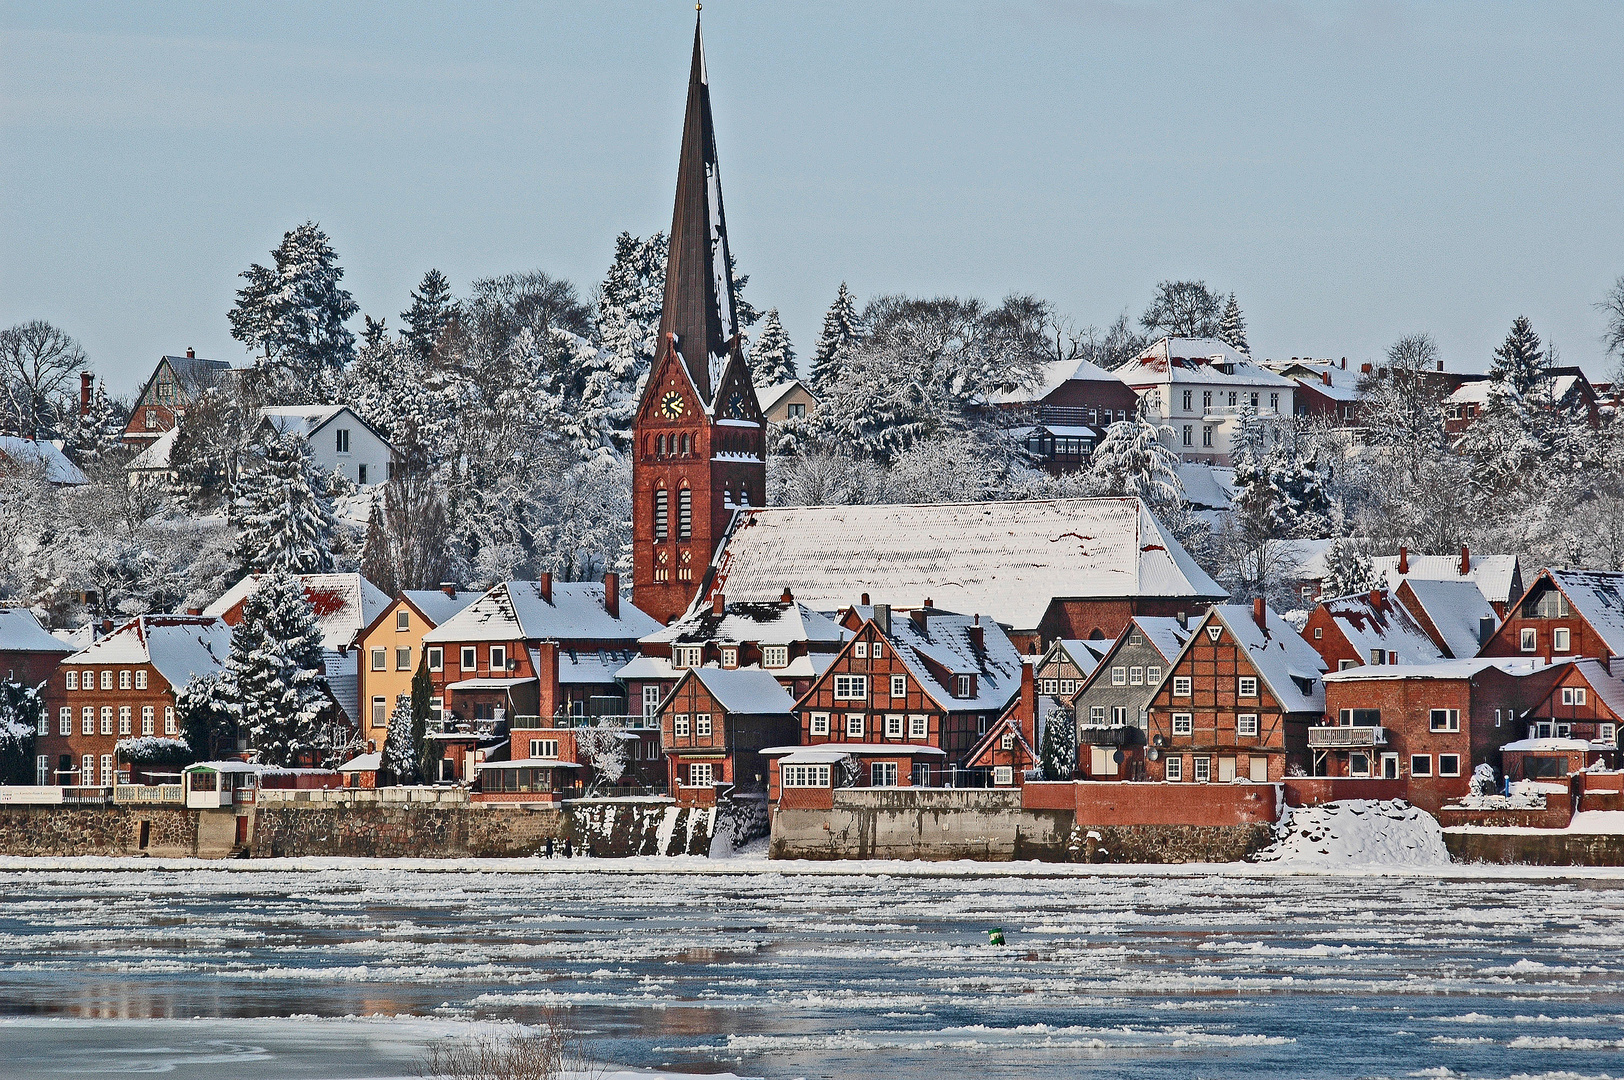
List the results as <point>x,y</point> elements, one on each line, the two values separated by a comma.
<point>340,441</point>
<point>1200,389</point>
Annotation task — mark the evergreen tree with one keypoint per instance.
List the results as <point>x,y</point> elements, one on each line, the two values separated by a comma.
<point>207,720</point>
<point>21,709</point>
<point>1131,460</point>
<point>294,313</point>
<point>1348,570</point>
<point>283,513</point>
<point>374,332</point>
<point>431,312</point>
<point>272,682</point>
<point>378,561</point>
<point>95,438</point>
<point>399,746</point>
<point>1057,752</point>
<point>772,359</point>
<point>841,330</point>
<point>1232,328</point>
<point>422,709</point>
<point>1519,374</point>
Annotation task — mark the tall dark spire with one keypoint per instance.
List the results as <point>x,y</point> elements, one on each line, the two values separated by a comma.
<point>698,285</point>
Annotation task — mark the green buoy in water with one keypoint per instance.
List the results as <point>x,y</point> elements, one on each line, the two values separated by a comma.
<point>995,936</point>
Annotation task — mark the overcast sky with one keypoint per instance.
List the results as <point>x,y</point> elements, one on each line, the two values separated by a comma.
<point>1353,172</point>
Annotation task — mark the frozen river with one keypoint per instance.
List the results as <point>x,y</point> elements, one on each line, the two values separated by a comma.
<point>345,969</point>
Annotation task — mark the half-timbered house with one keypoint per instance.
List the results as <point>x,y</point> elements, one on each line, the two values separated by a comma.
<point>1564,614</point>
<point>713,727</point>
<point>1111,705</point>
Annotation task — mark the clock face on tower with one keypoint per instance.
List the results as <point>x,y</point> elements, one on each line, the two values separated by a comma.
<point>671,405</point>
<point>735,405</point>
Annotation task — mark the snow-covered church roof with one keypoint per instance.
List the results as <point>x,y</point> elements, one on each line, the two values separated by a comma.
<point>1008,559</point>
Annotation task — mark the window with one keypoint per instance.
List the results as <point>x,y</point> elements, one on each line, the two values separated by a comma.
<point>1153,675</point>
<point>1274,402</point>
<point>466,661</point>
<point>1003,775</point>
<point>107,720</point>
<point>343,440</point>
<point>436,658</point>
<point>1445,720</point>
<point>1182,724</point>
<point>87,721</point>
<point>854,725</point>
<point>1096,714</point>
<point>1187,396</point>
<point>1360,717</point>
<point>1420,764</point>
<point>1358,764</point>
<point>1189,435</point>
<point>851,687</point>
<point>361,473</point>
<point>380,711</point>
<point>107,770</point>
<point>42,770</point>
<point>170,727</point>
<point>148,715</point>
<point>964,686</point>
<point>679,724</point>
<point>403,620</point>
<point>1530,640</point>
<point>899,686</point>
<point>1175,768</point>
<point>1606,732</point>
<point>1497,718</point>
<point>1376,656</point>
<point>918,726</point>
<point>498,658</point>
<point>64,722</point>
<point>1246,686</point>
<point>1206,399</point>
<point>701,773</point>
<point>1136,676</point>
<point>71,680</point>
<point>1119,714</point>
<point>730,656</point>
<point>1203,770</point>
<point>805,776</point>
<point>403,659</point>
<point>1246,725</point>
<point>879,650</point>
<point>87,769</point>
<point>107,679</point>
<point>893,725</point>
<point>141,679</point>
<point>859,649</point>
<point>775,656</point>
<point>1119,676</point>
<point>1181,686</point>
<point>1448,764</point>
<point>380,659</point>
<point>685,514</point>
<point>544,748</point>
<point>702,723</point>
<point>1051,687</point>
<point>796,410</point>
<point>820,723</point>
<point>1007,742</point>
<point>437,707</point>
<point>883,774</point>
<point>1258,769</point>
<point>1567,695</point>
<point>1068,687</point>
<point>124,680</point>
<point>1345,665</point>
<point>1206,435</point>
<point>662,514</point>
<point>1561,638</point>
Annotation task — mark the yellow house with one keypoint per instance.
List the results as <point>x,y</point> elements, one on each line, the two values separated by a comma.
<point>392,647</point>
<point>786,401</point>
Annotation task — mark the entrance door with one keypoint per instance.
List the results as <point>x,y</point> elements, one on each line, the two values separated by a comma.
<point>242,830</point>
<point>1389,766</point>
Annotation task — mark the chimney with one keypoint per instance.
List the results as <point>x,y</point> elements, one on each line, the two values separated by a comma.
<point>1325,377</point>
<point>1440,365</point>
<point>107,627</point>
<point>788,597</point>
<point>1029,703</point>
<point>1485,630</point>
<point>1378,599</point>
<point>547,702</point>
<point>864,600</point>
<point>194,611</point>
<point>1465,560</point>
<point>1364,369</point>
<point>1344,363</point>
<point>449,588</point>
<point>978,641</point>
<point>611,594</point>
<point>1184,620</point>
<point>1403,560</point>
<point>545,584</point>
<point>86,383</point>
<point>1260,614</point>
<point>917,615</point>
<point>718,603</point>
<point>191,353</point>
<point>928,603</point>
<point>882,618</point>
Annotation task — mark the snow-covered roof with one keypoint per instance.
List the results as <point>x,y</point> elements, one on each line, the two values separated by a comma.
<point>768,396</point>
<point>437,605</point>
<point>1287,664</point>
<point>76,638</point>
<point>1163,632</point>
<point>1343,385</point>
<point>1606,685</point>
<point>1085,655</point>
<point>1197,360</point>
<point>302,420</point>
<point>344,604</point>
<point>1056,373</point>
<point>178,646</point>
<point>342,673</point>
<point>155,458</point>
<point>363,763</point>
<point>1496,575</point>
<point>47,455</point>
<point>745,690</point>
<point>1598,596</point>
<point>1550,744</point>
<point>490,682</point>
<point>1207,487</point>
<point>596,666</point>
<point>1387,626</point>
<point>20,631</point>
<point>765,622</point>
<point>1478,390</point>
<point>945,639</point>
<point>830,752</point>
<point>1456,609</point>
<point>1009,559</point>
<point>1440,669</point>
<point>516,609</point>
<point>526,763</point>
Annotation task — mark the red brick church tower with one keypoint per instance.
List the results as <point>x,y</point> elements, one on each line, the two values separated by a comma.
<point>700,440</point>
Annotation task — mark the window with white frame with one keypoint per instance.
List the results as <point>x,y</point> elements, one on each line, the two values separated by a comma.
<point>1096,714</point>
<point>964,686</point>
<point>1530,639</point>
<point>859,649</point>
<point>1136,676</point>
<point>701,773</point>
<point>879,650</point>
<point>436,658</point>
<point>64,720</point>
<point>71,680</point>
<point>107,720</point>
<point>804,776</point>
<point>1119,676</point>
<point>498,658</point>
<point>107,770</point>
<point>380,712</point>
<point>124,680</point>
<point>1119,714</point>
<point>1578,695</point>
<point>918,726</point>
<point>403,620</point>
<point>170,727</point>
<point>403,659</point>
<point>679,724</point>
<point>899,686</point>
<point>107,679</point>
<point>1203,769</point>
<point>854,725</point>
<point>1246,725</point>
<point>893,725</point>
<point>341,442</point>
<point>1181,686</point>
<point>42,770</point>
<point>87,769</point>
<point>1448,764</point>
<point>1444,720</point>
<point>1561,639</point>
<point>1246,686</point>
<point>141,679</point>
<point>1607,733</point>
<point>44,726</point>
<point>1007,742</point>
<point>149,718</point>
<point>1567,695</point>
<point>1003,775</point>
<point>544,748</point>
<point>1182,724</point>
<point>730,656</point>
<point>468,661</point>
<point>437,708</point>
<point>851,687</point>
<point>702,723</point>
<point>883,774</point>
<point>1068,687</point>
<point>1153,675</point>
<point>1050,686</point>
<point>1175,768</point>
<point>87,721</point>
<point>1420,764</point>
<point>820,723</point>
<point>775,656</point>
<point>380,659</point>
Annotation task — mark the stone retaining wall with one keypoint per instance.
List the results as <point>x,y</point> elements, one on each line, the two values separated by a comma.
<point>1535,849</point>
<point>116,830</point>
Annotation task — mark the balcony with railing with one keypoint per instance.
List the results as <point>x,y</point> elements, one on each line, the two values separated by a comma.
<point>149,794</point>
<point>1341,738</point>
<point>566,721</point>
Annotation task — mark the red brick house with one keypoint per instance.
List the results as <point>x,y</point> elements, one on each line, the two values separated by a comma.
<point>1455,614</point>
<point>174,384</point>
<point>1237,702</point>
<point>1551,761</point>
<point>1586,703</point>
<point>29,653</point>
<point>908,698</point>
<point>119,689</point>
<point>1429,725</point>
<point>1564,614</point>
<point>1569,388</point>
<point>715,724</point>
<point>1010,748</point>
<point>1368,628</point>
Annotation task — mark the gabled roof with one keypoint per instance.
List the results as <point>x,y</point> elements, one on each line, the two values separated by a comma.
<point>945,640</point>
<point>1495,575</point>
<point>1443,669</point>
<point>1056,373</point>
<point>155,458</point>
<point>1162,633</point>
<point>516,610</point>
<point>436,605</point>
<point>1006,722</point>
<point>1455,609</point>
<point>1288,665</point>
<point>1084,655</point>
<point>1207,487</point>
<point>20,631</point>
<point>1196,360</point>
<point>1387,626</point>
<point>43,454</point>
<point>766,622</point>
<point>344,604</point>
<point>768,396</point>
<point>1598,596</point>
<point>1608,686</point>
<point>304,421</point>
<point>1009,559</point>
<point>178,646</point>
<point>342,673</point>
<point>744,690</point>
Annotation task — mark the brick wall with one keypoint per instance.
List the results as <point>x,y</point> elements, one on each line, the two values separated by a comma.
<point>1129,804</point>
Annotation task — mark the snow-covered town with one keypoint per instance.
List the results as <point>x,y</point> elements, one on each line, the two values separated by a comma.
<point>963,634</point>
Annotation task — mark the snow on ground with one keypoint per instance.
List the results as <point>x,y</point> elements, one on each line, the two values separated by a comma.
<point>1357,832</point>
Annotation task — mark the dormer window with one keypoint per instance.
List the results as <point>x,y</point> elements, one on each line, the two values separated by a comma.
<point>775,656</point>
<point>964,686</point>
<point>730,656</point>
<point>686,656</point>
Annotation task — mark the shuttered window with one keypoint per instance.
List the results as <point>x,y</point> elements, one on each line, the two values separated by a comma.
<point>685,514</point>
<point>661,514</point>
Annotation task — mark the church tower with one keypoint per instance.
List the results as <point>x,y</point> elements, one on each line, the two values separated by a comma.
<point>699,449</point>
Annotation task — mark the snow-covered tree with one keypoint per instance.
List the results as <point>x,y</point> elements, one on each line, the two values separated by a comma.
<point>1232,327</point>
<point>95,437</point>
<point>603,749</point>
<point>208,721</point>
<point>1612,308</point>
<point>21,709</point>
<point>283,513</point>
<point>1132,460</point>
<point>292,314</point>
<point>772,358</point>
<point>431,311</point>
<point>1401,402</point>
<point>1057,751</point>
<point>842,328</point>
<point>38,368</point>
<point>629,304</point>
<point>1185,309</point>
<point>399,748</point>
<point>1348,570</point>
<point>272,682</point>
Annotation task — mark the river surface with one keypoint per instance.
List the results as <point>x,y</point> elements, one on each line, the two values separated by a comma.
<point>347,968</point>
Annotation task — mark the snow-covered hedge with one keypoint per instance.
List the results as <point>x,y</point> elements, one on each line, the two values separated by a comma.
<point>154,750</point>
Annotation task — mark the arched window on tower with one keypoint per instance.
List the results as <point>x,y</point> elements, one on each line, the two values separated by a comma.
<point>661,514</point>
<point>661,444</point>
<point>685,446</point>
<point>685,514</point>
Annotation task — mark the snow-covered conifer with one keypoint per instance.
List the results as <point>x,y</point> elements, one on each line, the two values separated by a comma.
<point>283,513</point>
<point>207,719</point>
<point>772,358</point>
<point>399,748</point>
<point>1057,751</point>
<point>1348,570</point>
<point>431,310</point>
<point>1132,460</point>
<point>272,682</point>
<point>841,330</point>
<point>95,438</point>
<point>293,314</point>
<point>21,710</point>
<point>1232,328</point>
